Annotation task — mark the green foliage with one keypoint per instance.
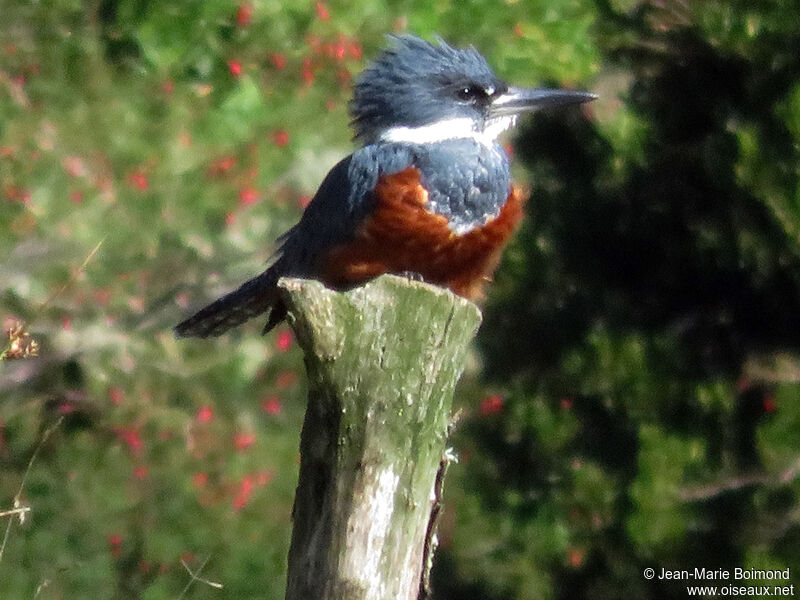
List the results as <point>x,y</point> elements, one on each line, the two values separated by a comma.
<point>637,404</point>
<point>656,285</point>
<point>660,518</point>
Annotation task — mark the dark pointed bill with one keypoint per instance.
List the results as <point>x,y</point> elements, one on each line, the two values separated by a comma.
<point>518,100</point>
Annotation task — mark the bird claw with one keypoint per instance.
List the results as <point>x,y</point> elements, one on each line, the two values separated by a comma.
<point>413,276</point>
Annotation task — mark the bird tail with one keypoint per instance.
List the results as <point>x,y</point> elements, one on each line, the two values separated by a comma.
<point>257,296</point>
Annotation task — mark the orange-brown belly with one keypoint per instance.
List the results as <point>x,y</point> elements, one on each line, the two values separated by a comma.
<point>402,236</point>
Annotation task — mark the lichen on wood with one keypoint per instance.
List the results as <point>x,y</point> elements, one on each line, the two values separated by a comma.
<point>382,360</point>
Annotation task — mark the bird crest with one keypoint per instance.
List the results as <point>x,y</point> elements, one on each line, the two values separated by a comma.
<point>414,83</point>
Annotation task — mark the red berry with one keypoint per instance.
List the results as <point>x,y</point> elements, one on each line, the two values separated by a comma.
<point>244,493</point>
<point>322,11</point>
<point>138,179</point>
<point>278,60</point>
<point>308,72</point>
<point>280,138</point>
<point>235,67</point>
<point>284,341</point>
<point>243,14</point>
<point>204,414</point>
<point>248,196</point>
<point>243,440</point>
<point>272,405</point>
<point>491,405</point>
<point>116,395</point>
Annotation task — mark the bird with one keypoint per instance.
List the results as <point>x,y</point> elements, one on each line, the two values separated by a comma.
<point>426,194</point>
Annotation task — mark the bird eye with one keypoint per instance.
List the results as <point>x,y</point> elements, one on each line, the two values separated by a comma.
<point>471,93</point>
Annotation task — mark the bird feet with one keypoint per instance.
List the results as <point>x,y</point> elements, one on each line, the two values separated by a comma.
<point>412,276</point>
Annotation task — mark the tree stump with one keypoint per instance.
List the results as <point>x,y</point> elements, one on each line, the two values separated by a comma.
<point>383,360</point>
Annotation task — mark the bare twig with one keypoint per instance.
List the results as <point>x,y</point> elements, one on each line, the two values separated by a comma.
<point>195,576</point>
<point>730,484</point>
<point>40,588</point>
<point>19,509</point>
<point>74,275</point>
<point>16,511</point>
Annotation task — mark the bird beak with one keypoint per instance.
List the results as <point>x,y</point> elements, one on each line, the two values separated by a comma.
<point>517,100</point>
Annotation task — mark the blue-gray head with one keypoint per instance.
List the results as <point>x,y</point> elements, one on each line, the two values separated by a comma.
<point>416,91</point>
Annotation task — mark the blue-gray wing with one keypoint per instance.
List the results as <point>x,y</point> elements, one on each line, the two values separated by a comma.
<point>341,203</point>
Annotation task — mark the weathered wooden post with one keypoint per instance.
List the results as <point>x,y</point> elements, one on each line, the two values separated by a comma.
<point>382,362</point>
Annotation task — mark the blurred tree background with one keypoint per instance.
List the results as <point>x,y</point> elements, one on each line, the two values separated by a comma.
<point>632,401</point>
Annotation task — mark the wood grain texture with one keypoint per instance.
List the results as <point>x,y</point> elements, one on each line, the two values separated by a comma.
<point>382,361</point>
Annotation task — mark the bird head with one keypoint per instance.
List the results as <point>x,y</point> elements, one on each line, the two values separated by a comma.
<point>416,91</point>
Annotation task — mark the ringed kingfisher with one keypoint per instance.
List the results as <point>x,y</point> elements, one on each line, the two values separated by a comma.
<point>428,193</point>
